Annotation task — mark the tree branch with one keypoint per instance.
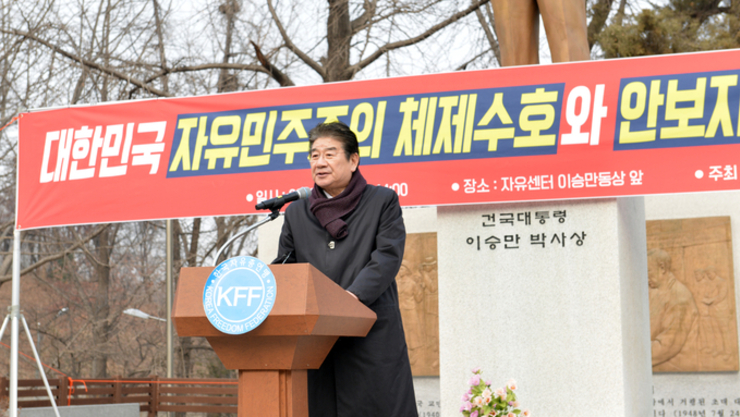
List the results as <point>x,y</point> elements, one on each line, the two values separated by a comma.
<point>275,73</point>
<point>58,255</point>
<point>203,67</point>
<point>601,12</point>
<point>464,66</point>
<point>411,41</point>
<point>87,63</point>
<point>489,35</point>
<point>706,14</point>
<point>216,65</point>
<point>289,43</point>
<point>370,6</point>
<point>620,12</point>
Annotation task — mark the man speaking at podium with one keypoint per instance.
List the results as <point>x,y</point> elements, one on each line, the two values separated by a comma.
<point>353,232</point>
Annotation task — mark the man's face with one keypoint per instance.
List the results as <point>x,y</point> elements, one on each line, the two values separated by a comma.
<point>329,165</point>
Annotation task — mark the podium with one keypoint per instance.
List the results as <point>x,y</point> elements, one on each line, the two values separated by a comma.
<point>310,313</point>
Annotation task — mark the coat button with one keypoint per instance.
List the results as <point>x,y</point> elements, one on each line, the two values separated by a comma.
<point>331,245</point>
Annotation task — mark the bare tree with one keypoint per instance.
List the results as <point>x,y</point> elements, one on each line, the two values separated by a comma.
<point>348,35</point>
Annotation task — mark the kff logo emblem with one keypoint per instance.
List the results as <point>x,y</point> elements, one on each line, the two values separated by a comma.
<point>239,294</point>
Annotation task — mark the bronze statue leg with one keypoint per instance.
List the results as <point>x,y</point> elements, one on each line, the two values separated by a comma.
<point>565,26</point>
<point>517,27</point>
<point>518,31</point>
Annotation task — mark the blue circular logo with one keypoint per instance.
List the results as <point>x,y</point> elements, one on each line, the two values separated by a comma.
<point>239,294</point>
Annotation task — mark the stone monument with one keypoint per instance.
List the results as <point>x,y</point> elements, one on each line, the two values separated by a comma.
<point>553,295</point>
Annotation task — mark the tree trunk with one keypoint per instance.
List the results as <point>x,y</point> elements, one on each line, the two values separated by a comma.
<point>185,369</point>
<point>101,307</point>
<point>226,80</point>
<point>160,39</point>
<point>339,35</point>
<point>601,11</point>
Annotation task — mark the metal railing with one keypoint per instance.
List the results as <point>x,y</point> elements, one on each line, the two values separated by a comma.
<point>153,394</point>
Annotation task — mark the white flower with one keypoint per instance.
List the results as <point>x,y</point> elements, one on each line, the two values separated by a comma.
<point>487,392</point>
<point>511,385</point>
<point>478,401</point>
<point>501,393</point>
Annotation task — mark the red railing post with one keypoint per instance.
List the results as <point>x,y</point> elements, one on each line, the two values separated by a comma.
<point>117,390</point>
<point>4,388</point>
<point>63,391</point>
<point>154,396</point>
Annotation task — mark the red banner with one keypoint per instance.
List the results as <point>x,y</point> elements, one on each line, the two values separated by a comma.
<point>664,124</point>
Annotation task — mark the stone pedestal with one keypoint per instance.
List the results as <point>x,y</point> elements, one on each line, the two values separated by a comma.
<point>533,299</point>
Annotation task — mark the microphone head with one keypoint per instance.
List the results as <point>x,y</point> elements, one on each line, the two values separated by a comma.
<point>277,202</point>
<point>303,193</point>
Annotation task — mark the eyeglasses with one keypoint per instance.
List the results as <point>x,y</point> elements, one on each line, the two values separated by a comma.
<point>329,154</point>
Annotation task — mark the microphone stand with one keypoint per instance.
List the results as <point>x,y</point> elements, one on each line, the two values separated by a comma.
<point>274,214</point>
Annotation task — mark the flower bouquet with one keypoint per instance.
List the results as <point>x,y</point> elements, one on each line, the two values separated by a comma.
<point>482,401</point>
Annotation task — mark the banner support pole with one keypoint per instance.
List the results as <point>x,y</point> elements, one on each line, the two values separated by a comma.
<point>168,264</point>
<point>14,325</point>
<point>168,275</point>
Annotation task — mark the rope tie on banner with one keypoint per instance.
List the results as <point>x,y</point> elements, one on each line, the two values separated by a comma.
<point>11,122</point>
<point>71,382</point>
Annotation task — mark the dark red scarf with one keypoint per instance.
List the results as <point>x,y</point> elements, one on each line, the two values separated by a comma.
<point>330,211</point>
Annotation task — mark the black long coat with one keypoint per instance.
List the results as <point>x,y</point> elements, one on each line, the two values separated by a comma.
<point>368,376</point>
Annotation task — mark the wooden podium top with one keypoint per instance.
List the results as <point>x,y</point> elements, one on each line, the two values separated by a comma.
<point>306,303</point>
<point>310,313</point>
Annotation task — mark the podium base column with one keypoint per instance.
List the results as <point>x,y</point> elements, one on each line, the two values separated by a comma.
<point>273,393</point>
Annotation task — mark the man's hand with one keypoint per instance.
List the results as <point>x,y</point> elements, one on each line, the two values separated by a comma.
<point>353,296</point>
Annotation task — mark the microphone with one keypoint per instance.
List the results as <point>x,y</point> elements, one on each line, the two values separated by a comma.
<point>277,202</point>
